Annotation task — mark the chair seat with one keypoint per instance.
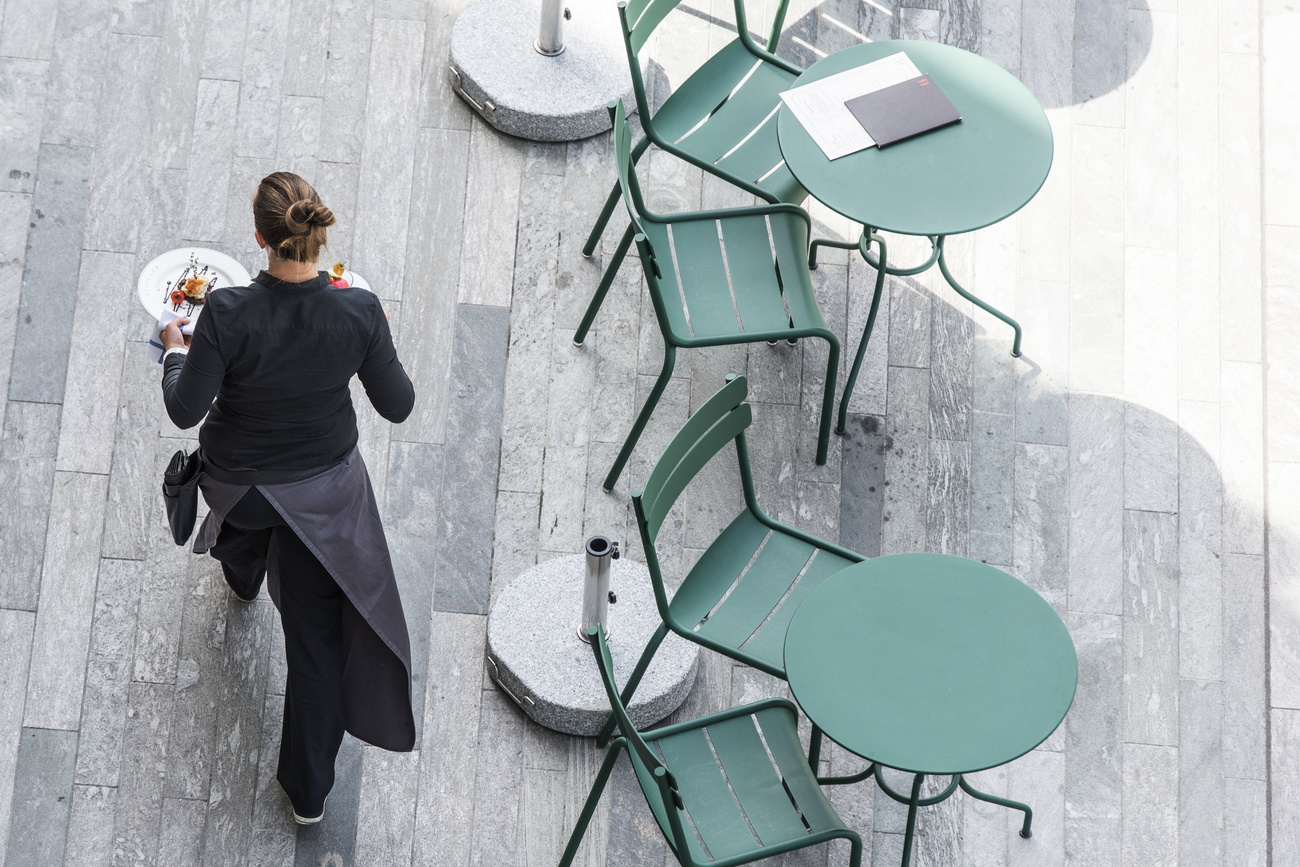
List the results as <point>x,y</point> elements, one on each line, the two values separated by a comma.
<point>758,803</point>
<point>732,279</point>
<point>746,587</point>
<point>706,118</point>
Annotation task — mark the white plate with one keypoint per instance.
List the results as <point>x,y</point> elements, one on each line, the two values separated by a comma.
<point>162,274</point>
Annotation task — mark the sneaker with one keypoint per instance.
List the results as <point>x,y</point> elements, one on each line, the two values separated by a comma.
<point>309,820</point>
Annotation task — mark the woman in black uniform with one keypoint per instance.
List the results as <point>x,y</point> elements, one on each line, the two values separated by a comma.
<point>290,499</point>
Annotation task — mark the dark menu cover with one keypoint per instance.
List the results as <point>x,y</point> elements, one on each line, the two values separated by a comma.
<point>901,111</point>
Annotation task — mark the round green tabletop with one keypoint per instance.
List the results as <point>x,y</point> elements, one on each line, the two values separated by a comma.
<point>954,179</point>
<point>931,664</point>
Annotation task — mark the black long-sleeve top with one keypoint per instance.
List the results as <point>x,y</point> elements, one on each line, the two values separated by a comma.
<point>269,364</point>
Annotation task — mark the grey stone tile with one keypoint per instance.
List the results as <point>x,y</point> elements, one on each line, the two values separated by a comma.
<point>909,323</point>
<point>1150,460</point>
<point>90,395</point>
<point>1151,199</point>
<point>473,449</point>
<point>133,483</point>
<point>1093,784</point>
<point>160,226</point>
<point>27,457</point>
<point>386,815</point>
<point>15,223</point>
<point>333,841</point>
<point>606,514</point>
<point>90,826</point>
<point>225,58</point>
<point>984,833</point>
<point>1245,822</point>
<point>948,504</point>
<point>208,177</point>
<point>308,49</point>
<point>63,622</point>
<point>634,839</point>
<point>1200,542</point>
<point>1100,48</point>
<point>862,490</point>
<point>906,459</point>
<point>388,155</point>
<point>1240,208</point>
<point>869,391</point>
<point>118,175</point>
<point>15,652</point>
<point>588,176</point>
<point>1037,779</point>
<point>271,809</point>
<point>137,17</point>
<point>1242,464</point>
<point>491,213</point>
<point>439,105</point>
<point>1097,262</point>
<point>337,185</point>
<point>497,808</point>
<point>1096,491</point>
<point>1046,67</point>
<point>775,425</point>
<point>514,543</point>
<point>162,594</point>
<point>416,477</point>
<point>562,500</point>
<point>299,136</point>
<point>1042,371</point>
<point>108,672</point>
<point>1151,289</point>
<point>260,78</point>
<point>1200,773</point>
<point>950,373</point>
<point>432,272</point>
<point>23,88</point>
<point>1199,300</point>
<point>138,821</point>
<point>42,340</point>
<point>238,234</point>
<point>181,841</point>
<point>444,813</point>
<point>1150,709</point>
<point>198,683</point>
<point>273,847</point>
<point>347,67</point>
<point>542,824</point>
<point>992,487</point>
<point>42,798</point>
<point>1283,564</point>
<point>583,763</point>
<point>1282,395</point>
<point>175,94</point>
<point>29,30</point>
<point>994,390</point>
<point>1150,826</point>
<point>1039,524</point>
<point>1244,696</point>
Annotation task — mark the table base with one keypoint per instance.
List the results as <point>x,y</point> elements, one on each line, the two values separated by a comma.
<point>863,246</point>
<point>915,800</point>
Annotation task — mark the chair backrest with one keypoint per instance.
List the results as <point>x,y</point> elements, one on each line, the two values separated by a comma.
<point>724,417</point>
<point>668,795</point>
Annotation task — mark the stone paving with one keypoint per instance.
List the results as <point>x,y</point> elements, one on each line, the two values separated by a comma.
<point>1139,466</point>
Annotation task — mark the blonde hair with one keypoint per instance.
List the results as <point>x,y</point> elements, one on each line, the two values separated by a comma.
<point>290,216</point>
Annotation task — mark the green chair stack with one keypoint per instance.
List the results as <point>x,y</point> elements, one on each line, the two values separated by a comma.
<point>721,119</point>
<point>729,788</point>
<point>741,594</point>
<point>717,278</point>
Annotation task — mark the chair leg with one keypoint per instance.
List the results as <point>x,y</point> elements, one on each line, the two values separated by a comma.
<point>670,355</point>
<point>606,280</point>
<point>597,788</point>
<point>866,332</point>
<point>610,202</point>
<point>828,398</point>
<point>634,681</point>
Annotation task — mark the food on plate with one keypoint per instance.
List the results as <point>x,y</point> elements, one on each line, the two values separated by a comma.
<point>178,297</point>
<point>336,276</point>
<point>196,281</point>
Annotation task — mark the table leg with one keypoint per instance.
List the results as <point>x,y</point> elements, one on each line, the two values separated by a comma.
<point>1002,802</point>
<point>987,308</point>
<point>912,804</point>
<point>864,245</point>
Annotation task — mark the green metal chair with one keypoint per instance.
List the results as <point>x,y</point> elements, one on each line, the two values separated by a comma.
<point>729,788</point>
<point>740,596</point>
<point>721,119</point>
<point>716,278</point>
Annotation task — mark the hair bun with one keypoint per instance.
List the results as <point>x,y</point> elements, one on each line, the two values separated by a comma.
<point>304,213</point>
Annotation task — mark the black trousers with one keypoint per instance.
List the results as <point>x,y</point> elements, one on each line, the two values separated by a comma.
<point>319,625</point>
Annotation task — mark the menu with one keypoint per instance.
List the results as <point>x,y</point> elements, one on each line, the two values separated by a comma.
<point>819,106</point>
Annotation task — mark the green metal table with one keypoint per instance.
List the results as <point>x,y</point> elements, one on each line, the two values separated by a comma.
<point>948,181</point>
<point>932,665</point>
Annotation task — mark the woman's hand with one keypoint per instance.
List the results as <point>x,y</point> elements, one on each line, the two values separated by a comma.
<point>172,338</point>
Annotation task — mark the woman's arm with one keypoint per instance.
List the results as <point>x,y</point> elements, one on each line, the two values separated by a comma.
<point>387,385</point>
<point>190,382</point>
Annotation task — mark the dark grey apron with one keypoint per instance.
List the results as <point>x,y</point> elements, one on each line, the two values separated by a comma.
<point>335,514</point>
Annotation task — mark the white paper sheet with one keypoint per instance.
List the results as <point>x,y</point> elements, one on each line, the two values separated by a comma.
<point>820,106</point>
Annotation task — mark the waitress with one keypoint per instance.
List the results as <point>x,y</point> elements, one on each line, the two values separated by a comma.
<point>290,498</point>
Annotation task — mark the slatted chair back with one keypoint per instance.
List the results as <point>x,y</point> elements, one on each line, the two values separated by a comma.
<point>722,419</point>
